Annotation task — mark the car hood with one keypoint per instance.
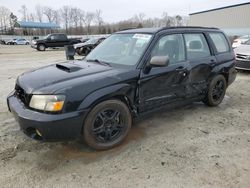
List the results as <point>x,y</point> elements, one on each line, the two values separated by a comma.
<point>79,45</point>
<point>243,49</point>
<point>64,76</point>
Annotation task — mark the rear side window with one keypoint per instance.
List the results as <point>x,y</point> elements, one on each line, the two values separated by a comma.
<point>220,42</point>
<point>196,46</point>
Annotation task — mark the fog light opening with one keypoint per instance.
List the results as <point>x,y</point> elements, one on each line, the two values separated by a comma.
<point>38,133</point>
<point>34,133</point>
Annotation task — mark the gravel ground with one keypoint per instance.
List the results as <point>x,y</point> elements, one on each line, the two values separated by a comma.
<point>193,146</point>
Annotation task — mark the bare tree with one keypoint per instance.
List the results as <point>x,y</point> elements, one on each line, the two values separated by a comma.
<point>56,16</point>
<point>167,20</point>
<point>89,17</point>
<point>65,14</point>
<point>4,19</point>
<point>24,13</point>
<point>12,20</point>
<point>49,13</point>
<point>99,19</point>
<point>178,20</point>
<point>31,17</point>
<point>39,13</point>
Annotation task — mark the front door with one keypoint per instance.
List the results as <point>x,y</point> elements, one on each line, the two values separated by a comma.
<point>162,85</point>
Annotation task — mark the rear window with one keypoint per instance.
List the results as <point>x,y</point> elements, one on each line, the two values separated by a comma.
<point>220,42</point>
<point>196,46</point>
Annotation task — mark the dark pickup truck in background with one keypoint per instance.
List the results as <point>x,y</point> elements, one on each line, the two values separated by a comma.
<point>54,41</point>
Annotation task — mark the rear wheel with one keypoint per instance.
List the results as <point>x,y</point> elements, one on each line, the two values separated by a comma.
<point>107,125</point>
<point>41,47</point>
<point>216,91</point>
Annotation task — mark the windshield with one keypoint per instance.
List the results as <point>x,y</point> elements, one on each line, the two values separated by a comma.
<point>121,49</point>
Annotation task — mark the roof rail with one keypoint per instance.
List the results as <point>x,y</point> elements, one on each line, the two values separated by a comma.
<point>188,27</point>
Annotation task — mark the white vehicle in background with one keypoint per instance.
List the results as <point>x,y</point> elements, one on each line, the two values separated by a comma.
<point>19,41</point>
<point>243,56</point>
<point>237,42</point>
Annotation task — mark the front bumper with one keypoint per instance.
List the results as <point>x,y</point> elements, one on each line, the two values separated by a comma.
<point>243,64</point>
<point>50,127</point>
<point>34,46</point>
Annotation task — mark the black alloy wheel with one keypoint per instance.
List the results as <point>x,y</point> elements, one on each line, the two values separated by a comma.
<point>216,91</point>
<point>107,124</point>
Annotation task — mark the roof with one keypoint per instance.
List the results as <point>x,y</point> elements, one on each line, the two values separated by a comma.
<point>221,8</point>
<point>40,25</point>
<point>155,30</point>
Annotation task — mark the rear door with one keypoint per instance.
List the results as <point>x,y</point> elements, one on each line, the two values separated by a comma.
<point>159,86</point>
<point>62,40</point>
<point>201,60</point>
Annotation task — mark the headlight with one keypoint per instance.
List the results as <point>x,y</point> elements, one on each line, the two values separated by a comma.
<point>51,103</point>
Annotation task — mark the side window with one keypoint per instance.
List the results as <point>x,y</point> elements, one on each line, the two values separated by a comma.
<point>220,42</point>
<point>52,37</point>
<point>196,46</point>
<point>171,46</point>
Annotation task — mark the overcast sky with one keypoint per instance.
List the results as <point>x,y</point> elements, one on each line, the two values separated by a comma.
<point>116,10</point>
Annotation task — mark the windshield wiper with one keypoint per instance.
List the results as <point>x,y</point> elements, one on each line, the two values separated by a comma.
<point>98,61</point>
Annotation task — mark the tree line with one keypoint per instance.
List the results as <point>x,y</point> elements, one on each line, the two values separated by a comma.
<point>75,21</point>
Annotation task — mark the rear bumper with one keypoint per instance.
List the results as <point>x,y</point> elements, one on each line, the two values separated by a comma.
<point>243,64</point>
<point>52,127</point>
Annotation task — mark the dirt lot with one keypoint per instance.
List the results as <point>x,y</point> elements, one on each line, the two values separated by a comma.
<point>195,146</point>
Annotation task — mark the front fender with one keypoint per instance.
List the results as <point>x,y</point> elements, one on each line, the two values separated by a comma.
<point>107,93</point>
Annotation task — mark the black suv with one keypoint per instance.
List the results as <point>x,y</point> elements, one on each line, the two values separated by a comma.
<point>131,73</point>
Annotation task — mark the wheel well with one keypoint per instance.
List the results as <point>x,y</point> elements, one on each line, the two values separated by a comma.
<point>121,98</point>
<point>225,76</point>
<point>41,44</point>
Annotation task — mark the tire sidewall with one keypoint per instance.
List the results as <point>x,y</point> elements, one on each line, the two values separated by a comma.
<point>210,100</point>
<point>39,47</point>
<point>109,104</point>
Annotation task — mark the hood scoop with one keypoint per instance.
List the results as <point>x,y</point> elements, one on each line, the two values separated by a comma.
<point>68,67</point>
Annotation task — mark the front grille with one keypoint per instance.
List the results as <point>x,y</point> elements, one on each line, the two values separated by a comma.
<point>243,57</point>
<point>22,95</point>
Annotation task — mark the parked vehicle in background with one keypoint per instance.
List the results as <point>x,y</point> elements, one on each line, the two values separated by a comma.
<point>129,74</point>
<point>237,42</point>
<point>19,41</point>
<point>11,42</point>
<point>54,41</point>
<point>243,56</point>
<point>86,47</point>
<point>2,42</point>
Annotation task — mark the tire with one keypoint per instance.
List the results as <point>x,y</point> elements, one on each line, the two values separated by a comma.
<point>41,47</point>
<point>27,43</point>
<point>107,125</point>
<point>14,43</point>
<point>216,91</point>
<point>78,51</point>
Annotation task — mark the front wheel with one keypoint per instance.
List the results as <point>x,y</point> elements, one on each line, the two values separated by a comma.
<point>107,124</point>
<point>216,91</point>
<point>41,47</point>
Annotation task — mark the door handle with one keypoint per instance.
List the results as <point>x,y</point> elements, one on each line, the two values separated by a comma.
<point>180,68</point>
<point>213,62</point>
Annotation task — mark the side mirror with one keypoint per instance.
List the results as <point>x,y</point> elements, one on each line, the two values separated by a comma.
<point>159,61</point>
